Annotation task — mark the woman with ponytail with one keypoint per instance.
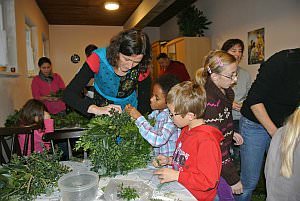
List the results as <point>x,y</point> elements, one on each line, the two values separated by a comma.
<point>283,161</point>
<point>218,74</point>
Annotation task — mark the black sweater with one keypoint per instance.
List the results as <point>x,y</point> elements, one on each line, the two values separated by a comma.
<point>277,86</point>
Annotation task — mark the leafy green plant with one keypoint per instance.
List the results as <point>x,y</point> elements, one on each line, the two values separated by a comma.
<point>24,178</point>
<point>114,145</point>
<point>12,119</point>
<point>58,94</point>
<point>192,22</point>
<point>127,193</point>
<point>70,120</point>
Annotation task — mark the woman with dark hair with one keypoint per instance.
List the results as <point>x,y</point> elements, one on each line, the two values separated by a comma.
<point>235,47</point>
<point>116,70</point>
<point>46,84</point>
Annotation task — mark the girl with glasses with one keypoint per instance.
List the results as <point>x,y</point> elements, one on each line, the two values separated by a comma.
<point>218,74</point>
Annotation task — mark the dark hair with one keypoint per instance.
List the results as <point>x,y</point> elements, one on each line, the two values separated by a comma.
<point>43,60</point>
<point>232,42</point>
<point>130,42</point>
<point>89,49</point>
<point>33,108</point>
<point>162,56</point>
<point>166,82</point>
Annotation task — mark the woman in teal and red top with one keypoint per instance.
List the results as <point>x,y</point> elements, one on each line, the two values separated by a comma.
<point>116,71</point>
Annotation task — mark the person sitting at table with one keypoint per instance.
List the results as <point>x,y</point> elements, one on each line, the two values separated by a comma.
<point>164,134</point>
<point>116,71</point>
<point>45,85</point>
<point>197,160</point>
<point>35,112</point>
<point>169,66</point>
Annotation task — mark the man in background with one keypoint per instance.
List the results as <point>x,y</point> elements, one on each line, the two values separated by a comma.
<point>169,66</point>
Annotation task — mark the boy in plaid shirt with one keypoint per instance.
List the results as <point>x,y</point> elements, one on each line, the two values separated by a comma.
<point>164,134</point>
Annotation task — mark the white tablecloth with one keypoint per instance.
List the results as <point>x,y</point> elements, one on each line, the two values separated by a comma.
<point>169,192</point>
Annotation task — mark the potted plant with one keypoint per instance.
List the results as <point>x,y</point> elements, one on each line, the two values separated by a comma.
<point>192,22</point>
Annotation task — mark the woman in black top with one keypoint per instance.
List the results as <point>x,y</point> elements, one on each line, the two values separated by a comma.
<point>273,96</point>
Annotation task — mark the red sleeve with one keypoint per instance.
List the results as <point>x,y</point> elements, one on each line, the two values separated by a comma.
<point>144,75</point>
<point>209,165</point>
<point>93,62</point>
<point>35,89</point>
<point>60,81</point>
<point>185,73</point>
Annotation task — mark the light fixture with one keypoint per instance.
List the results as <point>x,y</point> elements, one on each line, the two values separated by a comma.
<point>111,5</point>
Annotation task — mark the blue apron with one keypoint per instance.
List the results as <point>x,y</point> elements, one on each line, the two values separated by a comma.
<point>107,83</point>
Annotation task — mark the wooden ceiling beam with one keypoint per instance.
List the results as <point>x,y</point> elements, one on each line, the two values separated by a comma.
<point>146,12</point>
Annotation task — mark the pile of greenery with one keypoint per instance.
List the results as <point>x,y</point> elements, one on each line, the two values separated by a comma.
<point>115,145</point>
<point>70,120</point>
<point>24,178</point>
<point>13,119</point>
<point>59,94</point>
<point>127,193</point>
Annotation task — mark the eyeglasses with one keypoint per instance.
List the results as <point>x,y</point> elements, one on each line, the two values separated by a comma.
<point>232,77</point>
<point>172,115</point>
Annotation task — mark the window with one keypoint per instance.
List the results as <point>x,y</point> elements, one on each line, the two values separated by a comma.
<point>31,47</point>
<point>29,52</point>
<point>45,46</point>
<point>8,41</point>
<point>3,39</point>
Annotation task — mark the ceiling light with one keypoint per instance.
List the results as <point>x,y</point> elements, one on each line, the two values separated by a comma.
<point>111,5</point>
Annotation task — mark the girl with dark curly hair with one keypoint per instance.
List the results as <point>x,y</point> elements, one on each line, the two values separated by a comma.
<point>116,69</point>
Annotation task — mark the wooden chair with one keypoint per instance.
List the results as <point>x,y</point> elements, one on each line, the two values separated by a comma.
<point>9,143</point>
<point>64,133</point>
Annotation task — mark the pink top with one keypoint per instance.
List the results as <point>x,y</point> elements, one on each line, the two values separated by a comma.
<point>40,88</point>
<point>38,137</point>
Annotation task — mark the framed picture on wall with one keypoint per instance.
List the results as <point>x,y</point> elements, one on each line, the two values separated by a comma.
<point>256,46</point>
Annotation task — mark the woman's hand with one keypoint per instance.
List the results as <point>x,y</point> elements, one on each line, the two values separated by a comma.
<point>236,106</point>
<point>238,139</point>
<point>161,160</point>
<point>49,98</point>
<point>237,188</point>
<point>94,109</point>
<point>167,175</point>
<point>132,111</point>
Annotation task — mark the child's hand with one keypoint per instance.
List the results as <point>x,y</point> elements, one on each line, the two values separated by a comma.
<point>160,160</point>
<point>46,115</point>
<point>238,139</point>
<point>237,188</point>
<point>132,111</point>
<point>167,175</point>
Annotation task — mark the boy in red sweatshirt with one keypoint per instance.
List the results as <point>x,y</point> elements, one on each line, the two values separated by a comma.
<point>197,160</point>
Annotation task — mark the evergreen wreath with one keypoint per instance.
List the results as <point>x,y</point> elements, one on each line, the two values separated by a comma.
<point>114,145</point>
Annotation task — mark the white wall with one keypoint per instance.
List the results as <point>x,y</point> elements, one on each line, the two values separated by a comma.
<point>66,40</point>
<point>153,33</point>
<point>169,30</point>
<point>235,18</point>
